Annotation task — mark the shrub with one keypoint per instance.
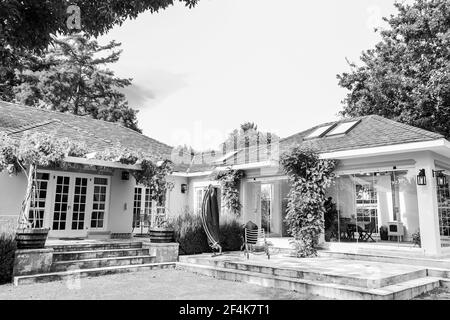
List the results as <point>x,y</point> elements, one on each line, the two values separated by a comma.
<point>231,235</point>
<point>189,233</point>
<point>7,250</point>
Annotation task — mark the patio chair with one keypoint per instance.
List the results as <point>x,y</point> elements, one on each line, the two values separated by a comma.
<point>366,233</point>
<point>255,242</point>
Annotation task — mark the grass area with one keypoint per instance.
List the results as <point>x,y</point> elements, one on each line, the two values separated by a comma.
<point>153,284</point>
<point>436,294</point>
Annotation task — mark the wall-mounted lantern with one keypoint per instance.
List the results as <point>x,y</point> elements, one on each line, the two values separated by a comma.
<point>441,178</point>
<point>421,178</point>
<point>125,175</point>
<point>184,188</point>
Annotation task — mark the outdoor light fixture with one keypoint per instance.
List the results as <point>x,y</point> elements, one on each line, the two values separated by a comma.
<point>441,178</point>
<point>421,178</point>
<point>184,188</point>
<point>125,175</point>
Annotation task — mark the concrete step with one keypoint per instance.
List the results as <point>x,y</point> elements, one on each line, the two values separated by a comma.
<point>82,273</point>
<point>96,254</point>
<point>101,263</point>
<point>390,258</point>
<point>404,290</point>
<point>307,274</point>
<point>96,246</point>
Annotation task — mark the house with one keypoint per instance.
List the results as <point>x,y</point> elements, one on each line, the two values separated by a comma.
<point>389,174</point>
<point>382,165</point>
<point>89,198</point>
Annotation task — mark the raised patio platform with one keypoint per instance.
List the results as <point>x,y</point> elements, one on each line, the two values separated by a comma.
<point>325,276</point>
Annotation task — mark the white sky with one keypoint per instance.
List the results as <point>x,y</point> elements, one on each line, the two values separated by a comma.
<point>198,74</point>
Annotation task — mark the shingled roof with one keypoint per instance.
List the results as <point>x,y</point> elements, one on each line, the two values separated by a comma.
<point>16,120</point>
<point>371,131</point>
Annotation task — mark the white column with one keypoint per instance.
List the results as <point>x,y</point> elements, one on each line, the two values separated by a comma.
<point>428,207</point>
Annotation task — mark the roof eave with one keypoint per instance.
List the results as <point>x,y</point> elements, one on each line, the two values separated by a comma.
<point>441,146</point>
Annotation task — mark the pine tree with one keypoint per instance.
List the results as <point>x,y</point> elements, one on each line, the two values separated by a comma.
<point>71,77</point>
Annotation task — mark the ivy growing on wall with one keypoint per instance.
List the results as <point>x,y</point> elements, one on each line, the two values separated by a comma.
<point>229,181</point>
<point>309,177</point>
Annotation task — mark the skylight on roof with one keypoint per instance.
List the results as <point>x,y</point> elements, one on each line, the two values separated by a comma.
<point>319,132</point>
<point>342,128</point>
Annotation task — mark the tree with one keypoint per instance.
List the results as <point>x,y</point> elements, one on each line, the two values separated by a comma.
<point>69,77</point>
<point>406,77</point>
<point>33,25</point>
<point>248,126</point>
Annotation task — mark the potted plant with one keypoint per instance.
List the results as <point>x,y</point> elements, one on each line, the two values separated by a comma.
<point>161,230</point>
<point>384,233</point>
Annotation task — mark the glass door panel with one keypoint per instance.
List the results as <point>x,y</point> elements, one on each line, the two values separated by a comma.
<point>79,204</point>
<point>99,203</point>
<point>61,203</point>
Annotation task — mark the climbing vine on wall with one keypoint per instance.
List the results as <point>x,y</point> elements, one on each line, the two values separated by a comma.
<point>229,181</point>
<point>309,177</point>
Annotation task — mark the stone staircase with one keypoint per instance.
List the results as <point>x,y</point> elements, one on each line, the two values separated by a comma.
<point>95,259</point>
<point>343,286</point>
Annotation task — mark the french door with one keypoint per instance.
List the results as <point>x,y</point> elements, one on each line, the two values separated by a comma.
<point>80,203</point>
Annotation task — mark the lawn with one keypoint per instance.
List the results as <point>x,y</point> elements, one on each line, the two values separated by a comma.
<point>153,284</point>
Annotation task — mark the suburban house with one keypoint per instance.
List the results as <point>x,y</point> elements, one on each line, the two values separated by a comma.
<point>389,174</point>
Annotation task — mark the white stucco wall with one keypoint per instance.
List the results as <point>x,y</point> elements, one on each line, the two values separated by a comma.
<point>120,216</point>
<point>12,192</point>
<point>177,202</point>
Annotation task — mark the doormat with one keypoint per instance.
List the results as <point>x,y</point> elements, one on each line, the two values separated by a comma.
<point>70,239</point>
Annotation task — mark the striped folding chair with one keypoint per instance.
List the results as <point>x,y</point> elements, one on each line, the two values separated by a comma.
<point>255,242</point>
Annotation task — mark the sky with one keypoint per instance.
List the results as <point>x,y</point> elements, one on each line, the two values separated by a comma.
<point>199,73</point>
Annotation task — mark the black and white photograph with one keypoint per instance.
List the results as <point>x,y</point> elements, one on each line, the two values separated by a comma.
<point>247,152</point>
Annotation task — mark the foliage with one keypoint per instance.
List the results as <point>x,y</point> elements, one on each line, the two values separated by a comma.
<point>39,149</point>
<point>248,126</point>
<point>406,77</point>
<point>416,238</point>
<point>191,236</point>
<point>119,154</point>
<point>189,233</point>
<point>153,175</point>
<point>7,249</point>
<point>70,77</point>
<point>309,177</point>
<point>230,234</point>
<point>230,180</point>
<point>32,24</point>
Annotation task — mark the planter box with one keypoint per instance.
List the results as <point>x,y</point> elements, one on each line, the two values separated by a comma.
<point>31,238</point>
<point>161,235</point>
